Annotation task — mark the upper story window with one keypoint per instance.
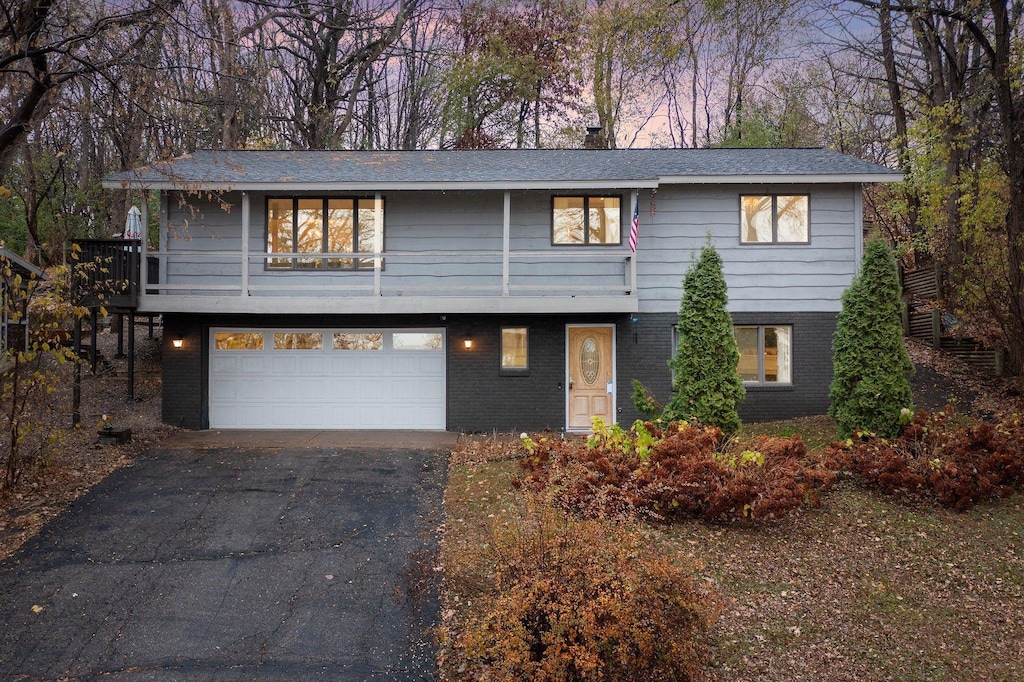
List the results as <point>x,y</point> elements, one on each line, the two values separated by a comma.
<point>322,225</point>
<point>775,219</point>
<point>586,220</point>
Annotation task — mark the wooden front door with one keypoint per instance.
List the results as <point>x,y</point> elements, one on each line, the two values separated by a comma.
<point>591,375</point>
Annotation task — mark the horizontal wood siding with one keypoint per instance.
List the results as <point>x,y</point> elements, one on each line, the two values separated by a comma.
<point>795,278</point>
<point>805,277</point>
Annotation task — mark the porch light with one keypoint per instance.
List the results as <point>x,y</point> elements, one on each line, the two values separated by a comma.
<point>178,343</point>
<point>468,343</point>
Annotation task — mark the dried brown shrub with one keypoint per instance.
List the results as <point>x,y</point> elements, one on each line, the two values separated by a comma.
<point>687,472</point>
<point>574,599</point>
<point>940,456</point>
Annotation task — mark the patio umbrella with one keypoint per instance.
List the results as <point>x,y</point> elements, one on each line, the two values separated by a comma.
<point>133,224</point>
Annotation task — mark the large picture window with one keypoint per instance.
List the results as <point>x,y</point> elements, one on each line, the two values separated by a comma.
<point>319,226</point>
<point>775,219</point>
<point>766,354</point>
<point>586,220</point>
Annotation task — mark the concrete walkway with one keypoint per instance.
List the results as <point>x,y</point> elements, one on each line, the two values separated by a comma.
<point>205,562</point>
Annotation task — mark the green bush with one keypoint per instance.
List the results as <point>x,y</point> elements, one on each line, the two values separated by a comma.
<point>706,386</point>
<point>870,363</point>
<point>575,600</point>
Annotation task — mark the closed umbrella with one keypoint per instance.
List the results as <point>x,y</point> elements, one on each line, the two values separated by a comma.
<point>133,224</point>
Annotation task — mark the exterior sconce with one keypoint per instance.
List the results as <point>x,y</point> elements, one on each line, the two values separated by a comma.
<point>178,343</point>
<point>468,343</point>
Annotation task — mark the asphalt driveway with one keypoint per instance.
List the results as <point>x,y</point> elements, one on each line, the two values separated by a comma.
<point>234,563</point>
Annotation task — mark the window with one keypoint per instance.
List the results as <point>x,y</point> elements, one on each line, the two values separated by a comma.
<point>238,341</point>
<point>586,220</point>
<point>514,349</point>
<point>765,354</point>
<point>774,219</point>
<point>298,341</point>
<point>321,225</point>
<point>416,341</point>
<point>358,341</point>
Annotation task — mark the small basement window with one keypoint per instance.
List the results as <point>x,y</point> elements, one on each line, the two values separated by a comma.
<point>514,350</point>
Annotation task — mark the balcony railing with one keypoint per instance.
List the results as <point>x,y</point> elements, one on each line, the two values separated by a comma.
<point>488,273</point>
<point>106,272</point>
<point>231,276</point>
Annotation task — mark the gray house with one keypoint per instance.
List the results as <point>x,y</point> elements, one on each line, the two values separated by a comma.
<point>472,290</point>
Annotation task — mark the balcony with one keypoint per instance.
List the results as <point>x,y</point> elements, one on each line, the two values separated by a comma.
<point>565,280</point>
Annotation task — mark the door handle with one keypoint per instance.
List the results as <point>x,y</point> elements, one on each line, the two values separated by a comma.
<point>570,384</point>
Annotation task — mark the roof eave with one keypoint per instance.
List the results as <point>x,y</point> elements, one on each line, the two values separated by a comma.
<point>780,178</point>
<point>225,186</point>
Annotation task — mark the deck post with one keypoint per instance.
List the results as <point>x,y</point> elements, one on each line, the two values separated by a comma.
<point>936,329</point>
<point>143,270</point>
<point>378,243</point>
<point>245,244</point>
<point>76,386</point>
<point>506,239</point>
<point>131,356</point>
<point>94,319</point>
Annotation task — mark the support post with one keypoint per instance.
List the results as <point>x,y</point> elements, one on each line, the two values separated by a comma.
<point>131,356</point>
<point>76,386</point>
<point>936,329</point>
<point>94,319</point>
<point>143,268</point>
<point>506,240</point>
<point>378,242</point>
<point>245,244</point>
<point>120,336</point>
<point>905,318</point>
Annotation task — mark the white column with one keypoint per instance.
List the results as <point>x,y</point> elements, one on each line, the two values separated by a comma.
<point>378,242</point>
<point>245,243</point>
<point>505,242</point>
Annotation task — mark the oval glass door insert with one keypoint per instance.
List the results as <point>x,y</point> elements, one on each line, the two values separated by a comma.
<point>590,361</point>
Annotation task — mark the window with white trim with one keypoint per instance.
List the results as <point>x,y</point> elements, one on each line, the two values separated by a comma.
<point>775,219</point>
<point>766,353</point>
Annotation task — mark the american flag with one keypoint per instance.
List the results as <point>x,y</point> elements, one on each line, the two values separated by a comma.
<point>633,237</point>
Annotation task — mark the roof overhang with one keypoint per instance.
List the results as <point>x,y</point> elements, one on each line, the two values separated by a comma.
<point>781,179</point>
<point>222,186</point>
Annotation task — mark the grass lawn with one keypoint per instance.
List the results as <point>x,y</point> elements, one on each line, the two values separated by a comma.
<point>863,588</point>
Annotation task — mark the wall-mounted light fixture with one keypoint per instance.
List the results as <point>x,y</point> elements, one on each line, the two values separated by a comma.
<point>178,343</point>
<point>468,343</point>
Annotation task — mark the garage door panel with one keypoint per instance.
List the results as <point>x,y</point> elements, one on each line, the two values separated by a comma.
<point>327,388</point>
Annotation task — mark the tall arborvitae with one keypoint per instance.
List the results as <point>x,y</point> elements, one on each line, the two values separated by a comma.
<point>706,385</point>
<point>870,363</point>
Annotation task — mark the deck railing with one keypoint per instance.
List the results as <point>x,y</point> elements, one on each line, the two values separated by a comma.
<point>106,272</point>
<point>394,273</point>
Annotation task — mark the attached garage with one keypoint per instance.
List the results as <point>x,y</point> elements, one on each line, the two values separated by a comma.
<point>327,379</point>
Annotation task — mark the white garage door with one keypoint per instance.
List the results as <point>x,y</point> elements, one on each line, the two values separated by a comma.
<point>327,379</point>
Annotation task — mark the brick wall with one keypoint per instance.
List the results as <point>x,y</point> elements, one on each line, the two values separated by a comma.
<point>645,347</point>
<point>480,398</point>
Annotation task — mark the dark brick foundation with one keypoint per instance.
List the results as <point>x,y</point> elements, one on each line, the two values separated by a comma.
<point>481,399</point>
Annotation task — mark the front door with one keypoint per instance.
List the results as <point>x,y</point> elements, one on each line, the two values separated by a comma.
<point>591,375</point>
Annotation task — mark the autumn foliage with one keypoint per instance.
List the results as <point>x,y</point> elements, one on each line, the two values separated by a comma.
<point>939,457</point>
<point>675,471</point>
<point>577,599</point>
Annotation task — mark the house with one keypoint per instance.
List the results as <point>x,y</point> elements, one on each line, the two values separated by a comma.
<point>15,275</point>
<point>479,290</point>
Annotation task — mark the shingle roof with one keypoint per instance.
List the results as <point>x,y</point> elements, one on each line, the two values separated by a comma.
<point>509,168</point>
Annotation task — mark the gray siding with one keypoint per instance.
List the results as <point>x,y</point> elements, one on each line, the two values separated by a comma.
<point>802,277</point>
<point>797,278</point>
